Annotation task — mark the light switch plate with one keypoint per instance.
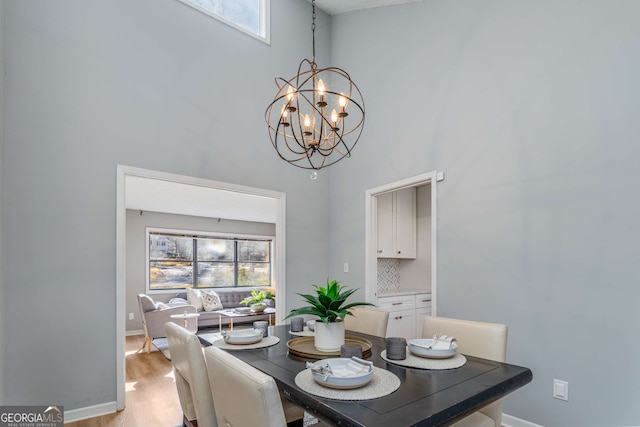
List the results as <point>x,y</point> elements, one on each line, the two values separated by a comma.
<point>561,389</point>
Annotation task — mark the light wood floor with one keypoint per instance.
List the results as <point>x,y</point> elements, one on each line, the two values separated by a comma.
<point>151,396</point>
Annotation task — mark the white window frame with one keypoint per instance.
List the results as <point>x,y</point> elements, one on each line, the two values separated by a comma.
<point>265,20</point>
<point>149,230</point>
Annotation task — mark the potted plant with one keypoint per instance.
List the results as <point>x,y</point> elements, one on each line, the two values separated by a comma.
<point>329,304</point>
<point>258,300</point>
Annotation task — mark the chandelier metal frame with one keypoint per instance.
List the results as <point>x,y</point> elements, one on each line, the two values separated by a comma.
<point>310,125</point>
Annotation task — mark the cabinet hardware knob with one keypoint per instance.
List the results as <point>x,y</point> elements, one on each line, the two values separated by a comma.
<point>379,251</point>
<point>399,252</point>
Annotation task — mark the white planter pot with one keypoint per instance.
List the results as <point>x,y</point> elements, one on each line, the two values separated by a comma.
<point>329,337</point>
<point>259,307</point>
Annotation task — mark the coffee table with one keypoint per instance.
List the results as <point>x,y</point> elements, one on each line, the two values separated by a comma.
<point>232,314</point>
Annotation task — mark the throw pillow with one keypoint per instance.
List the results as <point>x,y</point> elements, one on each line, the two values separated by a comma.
<point>194,296</point>
<point>211,301</point>
<point>161,306</point>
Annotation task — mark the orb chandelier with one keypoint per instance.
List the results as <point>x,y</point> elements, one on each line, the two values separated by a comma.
<point>317,116</point>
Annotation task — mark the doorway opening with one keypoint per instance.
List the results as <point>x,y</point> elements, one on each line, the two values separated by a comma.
<point>426,181</point>
<point>195,195</point>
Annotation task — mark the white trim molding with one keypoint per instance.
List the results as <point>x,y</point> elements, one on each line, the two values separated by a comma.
<point>511,421</point>
<point>89,412</point>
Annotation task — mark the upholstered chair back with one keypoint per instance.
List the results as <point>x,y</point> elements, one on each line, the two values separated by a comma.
<point>146,304</point>
<point>479,339</point>
<point>190,371</point>
<point>367,321</point>
<point>244,396</point>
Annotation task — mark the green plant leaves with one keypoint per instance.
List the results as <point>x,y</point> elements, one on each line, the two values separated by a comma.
<point>328,304</point>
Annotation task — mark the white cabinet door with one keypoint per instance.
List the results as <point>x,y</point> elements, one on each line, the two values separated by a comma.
<point>385,226</point>
<point>406,225</point>
<point>401,310</point>
<point>401,324</point>
<point>397,225</point>
<point>421,313</point>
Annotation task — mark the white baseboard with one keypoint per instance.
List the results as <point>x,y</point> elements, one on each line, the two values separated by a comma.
<point>510,421</point>
<point>89,412</point>
<point>135,332</point>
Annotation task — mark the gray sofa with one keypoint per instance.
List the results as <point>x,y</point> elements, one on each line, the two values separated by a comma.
<point>230,299</point>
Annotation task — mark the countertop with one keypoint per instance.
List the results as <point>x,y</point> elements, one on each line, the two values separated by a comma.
<point>404,292</point>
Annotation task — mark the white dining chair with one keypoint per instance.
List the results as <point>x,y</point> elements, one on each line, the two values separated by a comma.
<point>245,396</point>
<point>367,321</point>
<point>190,372</point>
<point>479,339</point>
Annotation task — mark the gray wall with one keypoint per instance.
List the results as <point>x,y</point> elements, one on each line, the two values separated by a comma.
<point>531,109</point>
<point>145,83</point>
<point>2,203</point>
<point>137,246</point>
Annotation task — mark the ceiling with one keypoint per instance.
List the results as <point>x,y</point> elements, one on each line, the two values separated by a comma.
<point>335,7</point>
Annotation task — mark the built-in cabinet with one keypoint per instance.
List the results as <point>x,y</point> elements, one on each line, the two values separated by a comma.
<point>406,313</point>
<point>397,224</point>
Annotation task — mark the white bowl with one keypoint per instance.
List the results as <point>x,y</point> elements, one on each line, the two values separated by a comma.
<point>346,373</point>
<point>242,336</point>
<point>419,347</point>
<point>311,324</point>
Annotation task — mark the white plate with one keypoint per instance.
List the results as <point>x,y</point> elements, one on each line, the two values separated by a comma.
<point>242,310</point>
<point>242,336</point>
<point>348,373</point>
<point>418,347</point>
<point>305,332</point>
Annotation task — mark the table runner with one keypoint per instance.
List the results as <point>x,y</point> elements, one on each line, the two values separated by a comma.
<point>382,383</point>
<point>413,361</point>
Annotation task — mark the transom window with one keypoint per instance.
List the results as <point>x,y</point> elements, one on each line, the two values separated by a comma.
<point>248,16</point>
<point>200,260</point>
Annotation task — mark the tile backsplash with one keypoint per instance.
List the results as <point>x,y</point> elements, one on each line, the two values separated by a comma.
<point>388,276</point>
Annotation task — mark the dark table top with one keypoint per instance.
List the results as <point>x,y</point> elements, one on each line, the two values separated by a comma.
<point>425,397</point>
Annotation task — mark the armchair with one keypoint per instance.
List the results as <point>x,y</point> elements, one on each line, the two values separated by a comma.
<point>154,316</point>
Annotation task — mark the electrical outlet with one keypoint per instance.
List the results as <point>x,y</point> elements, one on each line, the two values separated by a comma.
<point>561,389</point>
<point>130,316</point>
<point>346,267</point>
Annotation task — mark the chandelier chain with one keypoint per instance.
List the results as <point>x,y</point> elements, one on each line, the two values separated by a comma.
<point>313,30</point>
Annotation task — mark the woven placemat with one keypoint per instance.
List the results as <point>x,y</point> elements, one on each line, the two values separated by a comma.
<point>265,342</point>
<point>382,383</point>
<point>423,363</point>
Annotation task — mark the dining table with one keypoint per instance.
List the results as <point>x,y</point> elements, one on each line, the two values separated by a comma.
<point>424,397</point>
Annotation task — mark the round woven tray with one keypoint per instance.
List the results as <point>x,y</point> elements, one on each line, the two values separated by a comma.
<point>304,348</point>
<point>382,383</point>
<point>413,361</point>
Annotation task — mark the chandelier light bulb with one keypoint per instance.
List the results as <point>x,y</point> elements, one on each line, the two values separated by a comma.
<point>342,101</point>
<point>321,91</point>
<point>307,125</point>
<point>285,114</point>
